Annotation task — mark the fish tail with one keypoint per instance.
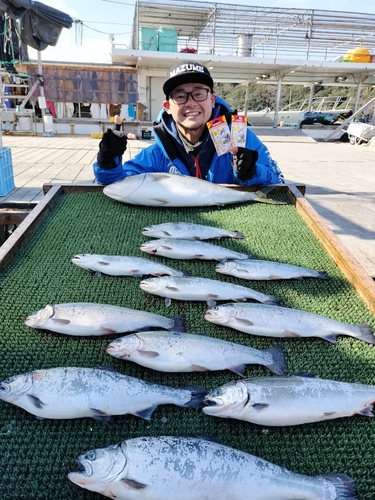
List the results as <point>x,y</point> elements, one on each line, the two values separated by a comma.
<point>178,323</point>
<point>198,394</point>
<point>272,300</point>
<point>185,273</point>
<point>261,196</point>
<point>237,235</point>
<point>365,333</point>
<point>322,275</point>
<point>345,486</point>
<point>278,365</point>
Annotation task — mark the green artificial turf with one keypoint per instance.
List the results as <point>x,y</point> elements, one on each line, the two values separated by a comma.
<point>36,455</point>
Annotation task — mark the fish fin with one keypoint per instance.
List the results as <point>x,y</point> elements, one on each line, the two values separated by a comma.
<point>166,247</point>
<point>146,413</point>
<point>61,321</point>
<point>103,262</point>
<point>245,321</point>
<point>211,303</point>
<point>305,374</point>
<point>185,273</point>
<point>330,337</point>
<point>107,331</point>
<point>260,406</point>
<point>106,368</point>
<point>277,277</point>
<point>366,412</point>
<point>199,256</point>
<point>132,483</point>
<point>322,275</point>
<point>100,415</point>
<point>237,369</point>
<point>198,394</point>
<point>198,368</point>
<point>149,354</point>
<point>289,333</point>
<point>179,323</point>
<point>168,301</point>
<point>97,273</point>
<point>136,273</point>
<point>329,413</point>
<point>161,200</point>
<point>36,401</point>
<point>278,365</point>
<point>173,288</point>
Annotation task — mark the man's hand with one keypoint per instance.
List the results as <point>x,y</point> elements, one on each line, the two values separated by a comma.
<point>244,162</point>
<point>112,144</point>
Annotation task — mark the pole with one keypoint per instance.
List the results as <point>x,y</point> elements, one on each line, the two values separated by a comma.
<point>42,104</point>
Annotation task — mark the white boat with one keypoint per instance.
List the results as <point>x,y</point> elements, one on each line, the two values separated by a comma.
<point>330,110</point>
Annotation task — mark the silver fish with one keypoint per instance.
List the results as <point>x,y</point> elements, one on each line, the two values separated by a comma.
<point>201,289</point>
<point>119,265</point>
<point>193,352</point>
<point>189,231</point>
<point>171,190</point>
<point>266,270</point>
<point>185,468</point>
<point>283,322</point>
<point>85,318</point>
<point>183,249</point>
<point>69,392</point>
<point>291,401</point>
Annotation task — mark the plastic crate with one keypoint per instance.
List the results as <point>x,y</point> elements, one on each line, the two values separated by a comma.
<point>6,171</point>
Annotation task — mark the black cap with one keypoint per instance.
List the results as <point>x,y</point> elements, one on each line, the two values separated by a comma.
<point>187,72</point>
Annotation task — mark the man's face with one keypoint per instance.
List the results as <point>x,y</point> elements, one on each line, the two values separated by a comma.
<point>190,117</point>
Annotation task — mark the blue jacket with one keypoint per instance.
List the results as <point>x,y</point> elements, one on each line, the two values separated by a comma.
<point>168,154</point>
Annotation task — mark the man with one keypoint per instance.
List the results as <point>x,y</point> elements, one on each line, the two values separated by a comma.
<point>183,144</point>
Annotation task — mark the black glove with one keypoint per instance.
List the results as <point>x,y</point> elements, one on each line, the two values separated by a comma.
<point>112,144</point>
<point>245,163</point>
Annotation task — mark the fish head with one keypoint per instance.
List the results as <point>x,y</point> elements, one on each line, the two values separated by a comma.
<point>16,386</point>
<point>149,231</point>
<point>227,400</point>
<point>39,318</point>
<point>121,190</point>
<point>85,260</point>
<point>221,314</point>
<point>153,285</point>
<point>123,347</point>
<point>101,467</point>
<point>226,266</point>
<point>150,246</point>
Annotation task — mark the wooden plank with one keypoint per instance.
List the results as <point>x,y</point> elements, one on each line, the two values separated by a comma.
<point>361,281</point>
<point>24,231</point>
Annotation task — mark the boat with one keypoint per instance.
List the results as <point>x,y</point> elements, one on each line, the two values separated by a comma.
<point>325,110</point>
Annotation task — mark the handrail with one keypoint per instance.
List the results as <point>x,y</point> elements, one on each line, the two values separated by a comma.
<point>350,119</point>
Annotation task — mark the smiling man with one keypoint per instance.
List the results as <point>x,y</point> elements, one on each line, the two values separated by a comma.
<point>183,144</point>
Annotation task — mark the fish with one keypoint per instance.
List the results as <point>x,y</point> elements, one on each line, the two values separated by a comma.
<point>119,265</point>
<point>86,319</point>
<point>99,393</point>
<point>201,289</point>
<point>193,352</point>
<point>299,399</point>
<point>266,270</point>
<point>190,249</point>
<point>284,322</point>
<point>161,189</point>
<point>192,468</point>
<point>189,231</point>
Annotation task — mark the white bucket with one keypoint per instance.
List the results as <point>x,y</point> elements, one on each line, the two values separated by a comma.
<point>48,123</point>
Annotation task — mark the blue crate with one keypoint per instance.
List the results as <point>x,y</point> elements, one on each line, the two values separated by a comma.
<point>6,171</point>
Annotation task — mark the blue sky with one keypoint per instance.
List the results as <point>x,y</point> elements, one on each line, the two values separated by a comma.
<point>104,17</point>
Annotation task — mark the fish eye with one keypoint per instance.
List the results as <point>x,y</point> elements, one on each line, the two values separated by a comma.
<point>91,455</point>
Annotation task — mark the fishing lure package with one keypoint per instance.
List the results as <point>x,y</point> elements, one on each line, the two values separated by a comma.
<point>223,138</point>
<point>238,133</point>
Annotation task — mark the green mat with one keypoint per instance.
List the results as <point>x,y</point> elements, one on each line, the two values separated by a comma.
<point>36,455</point>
